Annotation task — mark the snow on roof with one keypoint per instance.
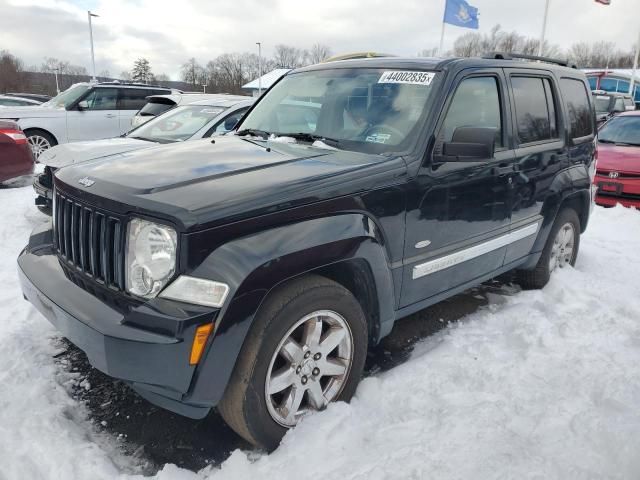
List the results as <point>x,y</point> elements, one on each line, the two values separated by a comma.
<point>267,79</point>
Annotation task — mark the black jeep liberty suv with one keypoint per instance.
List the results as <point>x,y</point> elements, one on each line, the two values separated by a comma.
<point>251,272</point>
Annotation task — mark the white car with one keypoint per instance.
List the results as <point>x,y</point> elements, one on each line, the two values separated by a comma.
<point>194,121</point>
<point>11,101</point>
<point>86,111</point>
<point>158,104</point>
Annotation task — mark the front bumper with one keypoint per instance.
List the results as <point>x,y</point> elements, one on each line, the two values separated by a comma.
<point>146,344</point>
<point>623,189</point>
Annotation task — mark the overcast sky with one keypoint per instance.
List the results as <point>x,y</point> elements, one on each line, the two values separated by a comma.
<point>169,32</point>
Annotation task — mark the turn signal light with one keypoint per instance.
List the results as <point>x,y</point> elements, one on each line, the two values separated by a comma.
<point>199,341</point>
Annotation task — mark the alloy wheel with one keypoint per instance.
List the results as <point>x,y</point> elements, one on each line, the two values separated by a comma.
<point>309,367</point>
<point>38,144</point>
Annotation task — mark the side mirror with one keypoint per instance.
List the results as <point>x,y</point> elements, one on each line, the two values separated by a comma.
<point>230,123</point>
<point>83,105</point>
<point>470,144</point>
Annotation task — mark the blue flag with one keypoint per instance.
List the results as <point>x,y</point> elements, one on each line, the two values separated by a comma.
<point>460,13</point>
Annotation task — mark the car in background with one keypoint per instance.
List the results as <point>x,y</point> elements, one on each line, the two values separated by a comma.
<point>86,111</point>
<point>608,104</point>
<point>201,119</point>
<point>158,104</point>
<point>12,101</point>
<point>618,173</point>
<point>31,96</point>
<point>16,158</point>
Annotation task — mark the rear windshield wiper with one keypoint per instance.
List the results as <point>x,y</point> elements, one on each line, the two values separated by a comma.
<point>254,132</point>
<point>603,140</point>
<point>310,137</point>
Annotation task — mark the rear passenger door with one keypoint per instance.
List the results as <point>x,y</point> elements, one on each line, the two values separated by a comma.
<point>458,211</point>
<point>130,100</point>
<point>540,151</point>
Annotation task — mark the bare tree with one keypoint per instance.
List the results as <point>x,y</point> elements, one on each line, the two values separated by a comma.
<point>287,56</point>
<point>125,75</point>
<point>429,52</point>
<point>319,53</point>
<point>192,72</point>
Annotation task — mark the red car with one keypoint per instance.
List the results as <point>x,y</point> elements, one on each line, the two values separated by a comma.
<point>618,173</point>
<point>16,158</point>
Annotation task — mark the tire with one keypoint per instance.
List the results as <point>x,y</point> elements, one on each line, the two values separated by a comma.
<point>246,406</point>
<point>39,141</point>
<point>551,258</point>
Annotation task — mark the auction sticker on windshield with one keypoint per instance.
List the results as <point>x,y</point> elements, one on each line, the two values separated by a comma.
<point>414,78</point>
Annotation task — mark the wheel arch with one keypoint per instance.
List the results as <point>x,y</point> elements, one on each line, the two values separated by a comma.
<point>26,131</point>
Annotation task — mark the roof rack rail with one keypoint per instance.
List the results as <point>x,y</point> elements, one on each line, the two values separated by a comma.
<point>511,56</point>
<point>130,84</point>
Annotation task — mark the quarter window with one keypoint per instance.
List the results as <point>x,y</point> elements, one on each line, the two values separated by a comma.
<point>476,103</point>
<point>535,109</point>
<point>580,114</point>
<point>102,99</point>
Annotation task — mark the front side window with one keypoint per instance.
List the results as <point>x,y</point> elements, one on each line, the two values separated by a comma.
<point>535,110</point>
<point>624,129</point>
<point>365,109</point>
<point>476,103</point>
<point>177,125</point>
<point>576,97</point>
<point>102,99</point>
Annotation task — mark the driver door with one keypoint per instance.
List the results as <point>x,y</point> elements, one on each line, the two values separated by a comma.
<point>97,119</point>
<point>459,215</point>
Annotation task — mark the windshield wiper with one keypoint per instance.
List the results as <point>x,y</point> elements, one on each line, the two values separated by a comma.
<point>310,137</point>
<point>154,140</point>
<point>254,132</point>
<point>603,140</point>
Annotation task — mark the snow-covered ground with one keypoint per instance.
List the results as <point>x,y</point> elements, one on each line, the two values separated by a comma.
<point>539,385</point>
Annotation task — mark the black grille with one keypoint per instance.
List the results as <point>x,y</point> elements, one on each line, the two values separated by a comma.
<point>90,240</point>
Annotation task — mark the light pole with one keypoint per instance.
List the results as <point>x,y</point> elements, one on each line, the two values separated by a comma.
<point>635,69</point>
<point>93,59</point>
<point>259,68</point>
<point>204,88</point>
<point>544,27</point>
<point>55,72</point>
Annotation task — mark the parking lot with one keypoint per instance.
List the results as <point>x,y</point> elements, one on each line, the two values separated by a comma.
<point>518,384</point>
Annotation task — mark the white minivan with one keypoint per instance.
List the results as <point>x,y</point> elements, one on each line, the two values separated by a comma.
<point>86,111</point>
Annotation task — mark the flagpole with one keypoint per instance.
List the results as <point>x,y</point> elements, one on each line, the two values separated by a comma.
<point>441,40</point>
<point>635,68</point>
<point>544,27</point>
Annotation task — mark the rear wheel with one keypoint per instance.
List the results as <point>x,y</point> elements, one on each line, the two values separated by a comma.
<point>306,349</point>
<point>561,250</point>
<point>39,141</point>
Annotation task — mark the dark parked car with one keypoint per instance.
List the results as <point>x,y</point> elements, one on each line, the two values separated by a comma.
<point>609,104</point>
<point>31,96</point>
<point>253,271</point>
<point>618,175</point>
<point>16,158</point>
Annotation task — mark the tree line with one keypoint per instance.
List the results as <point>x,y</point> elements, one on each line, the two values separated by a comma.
<point>229,71</point>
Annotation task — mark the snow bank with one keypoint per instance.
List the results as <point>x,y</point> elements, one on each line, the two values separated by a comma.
<point>539,385</point>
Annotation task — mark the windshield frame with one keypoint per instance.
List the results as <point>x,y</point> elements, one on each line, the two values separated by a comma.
<point>173,111</point>
<point>83,88</point>
<point>412,140</point>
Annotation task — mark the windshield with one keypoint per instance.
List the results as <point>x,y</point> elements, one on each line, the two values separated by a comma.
<point>602,103</point>
<point>67,97</point>
<point>621,130</point>
<point>176,125</point>
<point>370,110</point>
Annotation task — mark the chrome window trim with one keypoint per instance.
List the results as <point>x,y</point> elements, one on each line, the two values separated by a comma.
<point>433,266</point>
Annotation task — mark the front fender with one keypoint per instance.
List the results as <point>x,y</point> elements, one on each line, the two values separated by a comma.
<point>253,265</point>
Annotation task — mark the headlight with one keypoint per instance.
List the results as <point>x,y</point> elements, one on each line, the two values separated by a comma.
<point>151,257</point>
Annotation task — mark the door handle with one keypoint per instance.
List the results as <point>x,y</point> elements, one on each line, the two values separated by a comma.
<point>110,115</point>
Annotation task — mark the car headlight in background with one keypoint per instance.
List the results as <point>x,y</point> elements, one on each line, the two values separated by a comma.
<point>150,257</point>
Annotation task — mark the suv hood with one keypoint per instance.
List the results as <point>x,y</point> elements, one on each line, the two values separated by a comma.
<point>76,152</point>
<point>200,182</point>
<point>37,111</point>
<point>618,158</point>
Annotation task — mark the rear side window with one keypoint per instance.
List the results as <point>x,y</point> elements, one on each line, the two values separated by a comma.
<point>476,103</point>
<point>577,99</point>
<point>156,107</point>
<point>535,109</point>
<point>132,98</point>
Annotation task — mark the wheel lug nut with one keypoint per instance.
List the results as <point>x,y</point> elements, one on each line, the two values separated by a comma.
<point>317,356</point>
<point>316,372</point>
<point>307,354</point>
<point>304,380</point>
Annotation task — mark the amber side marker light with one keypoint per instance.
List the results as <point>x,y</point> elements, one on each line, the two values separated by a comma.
<point>199,341</point>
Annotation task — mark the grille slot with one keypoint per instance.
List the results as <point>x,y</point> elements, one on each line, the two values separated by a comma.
<point>90,240</point>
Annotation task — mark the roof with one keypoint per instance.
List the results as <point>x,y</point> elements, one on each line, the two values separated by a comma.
<point>631,113</point>
<point>267,79</point>
<point>226,101</point>
<point>183,98</point>
<point>622,72</point>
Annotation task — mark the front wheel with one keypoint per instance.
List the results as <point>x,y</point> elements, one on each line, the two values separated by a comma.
<point>561,250</point>
<point>306,349</point>
<point>39,141</point>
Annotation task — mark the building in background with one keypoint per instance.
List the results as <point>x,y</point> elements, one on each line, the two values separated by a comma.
<point>265,81</point>
<point>614,80</point>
